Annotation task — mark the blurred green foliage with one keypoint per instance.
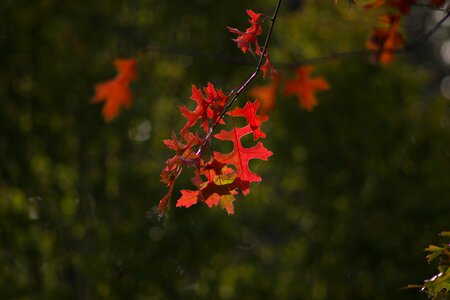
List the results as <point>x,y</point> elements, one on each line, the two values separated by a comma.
<point>353,192</point>
<point>438,286</point>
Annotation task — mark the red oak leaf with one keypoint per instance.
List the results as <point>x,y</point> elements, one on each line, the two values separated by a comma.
<point>218,189</point>
<point>305,87</point>
<point>386,40</point>
<point>185,156</point>
<point>248,40</point>
<point>188,198</point>
<point>185,151</point>
<point>116,92</point>
<point>220,182</point>
<point>208,108</point>
<point>268,66</point>
<point>255,121</point>
<point>165,201</point>
<point>240,156</point>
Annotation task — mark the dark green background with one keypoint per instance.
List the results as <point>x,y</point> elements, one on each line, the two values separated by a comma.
<point>353,193</point>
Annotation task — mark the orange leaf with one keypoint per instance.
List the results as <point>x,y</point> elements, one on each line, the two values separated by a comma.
<point>386,40</point>
<point>116,92</point>
<point>305,87</point>
<point>188,198</point>
<point>267,95</point>
<point>249,39</point>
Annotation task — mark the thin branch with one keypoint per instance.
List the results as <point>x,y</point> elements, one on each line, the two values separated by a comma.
<point>407,48</point>
<point>427,35</point>
<point>235,94</point>
<point>430,7</point>
<point>307,61</point>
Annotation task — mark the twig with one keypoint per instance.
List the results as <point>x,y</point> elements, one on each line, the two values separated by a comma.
<point>430,6</point>
<point>307,61</point>
<point>244,85</point>
<point>428,34</point>
<point>362,52</point>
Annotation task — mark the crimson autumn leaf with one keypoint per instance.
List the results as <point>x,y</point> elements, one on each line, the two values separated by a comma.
<point>228,174</point>
<point>248,40</point>
<point>208,108</point>
<point>218,189</point>
<point>268,67</point>
<point>255,121</point>
<point>240,156</point>
<point>386,40</point>
<point>305,87</point>
<point>188,198</point>
<point>116,92</point>
<point>185,156</point>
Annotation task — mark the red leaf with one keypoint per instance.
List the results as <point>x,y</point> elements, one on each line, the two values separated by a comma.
<point>218,189</point>
<point>255,121</point>
<point>305,87</point>
<point>165,201</point>
<point>188,198</point>
<point>208,109</point>
<point>217,182</point>
<point>248,40</point>
<point>185,156</point>
<point>386,40</point>
<point>240,156</point>
<point>116,92</point>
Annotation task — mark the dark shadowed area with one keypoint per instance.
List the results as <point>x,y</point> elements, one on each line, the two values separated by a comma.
<point>354,192</point>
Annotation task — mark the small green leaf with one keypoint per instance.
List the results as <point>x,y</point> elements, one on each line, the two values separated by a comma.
<point>435,252</point>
